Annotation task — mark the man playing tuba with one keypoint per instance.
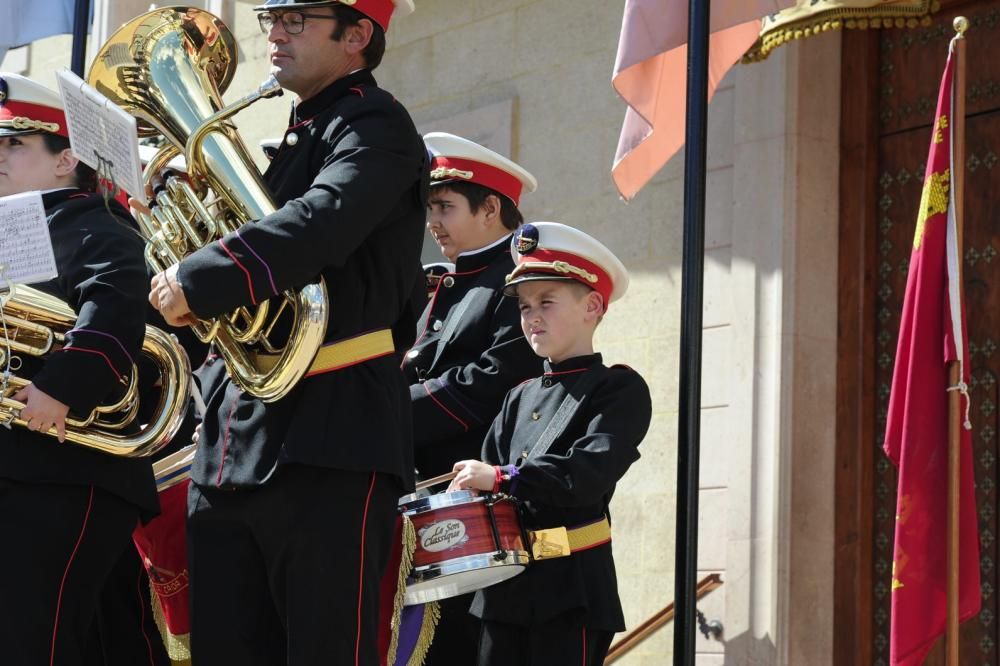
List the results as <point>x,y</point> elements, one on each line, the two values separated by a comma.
<point>67,511</point>
<point>293,502</point>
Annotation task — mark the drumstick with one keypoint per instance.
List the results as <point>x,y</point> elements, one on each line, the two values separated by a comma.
<point>436,480</point>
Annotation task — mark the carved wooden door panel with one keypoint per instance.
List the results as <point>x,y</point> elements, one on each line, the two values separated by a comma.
<point>910,66</point>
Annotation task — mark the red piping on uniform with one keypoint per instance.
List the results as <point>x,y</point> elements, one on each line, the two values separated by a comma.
<point>102,355</point>
<point>585,646</point>
<point>253,298</point>
<point>430,310</point>
<point>142,617</point>
<point>83,528</point>
<point>358,90</point>
<point>361,572</point>
<point>225,444</point>
<point>448,411</point>
<point>299,124</point>
<point>564,372</point>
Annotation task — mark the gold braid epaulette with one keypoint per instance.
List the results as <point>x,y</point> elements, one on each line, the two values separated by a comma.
<point>887,15</point>
<point>22,123</point>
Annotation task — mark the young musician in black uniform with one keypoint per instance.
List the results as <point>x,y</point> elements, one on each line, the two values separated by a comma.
<point>561,443</point>
<point>67,511</point>
<point>469,350</point>
<point>293,502</point>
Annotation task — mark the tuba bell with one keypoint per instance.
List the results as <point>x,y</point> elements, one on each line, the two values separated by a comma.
<point>169,68</point>
<point>35,324</point>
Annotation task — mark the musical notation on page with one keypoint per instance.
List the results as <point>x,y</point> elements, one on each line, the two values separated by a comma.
<point>101,134</point>
<point>25,247</point>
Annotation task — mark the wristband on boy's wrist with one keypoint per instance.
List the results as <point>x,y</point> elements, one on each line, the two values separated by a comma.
<point>497,478</point>
<point>507,474</point>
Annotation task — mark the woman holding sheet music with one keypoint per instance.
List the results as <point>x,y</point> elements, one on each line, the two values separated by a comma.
<point>67,511</point>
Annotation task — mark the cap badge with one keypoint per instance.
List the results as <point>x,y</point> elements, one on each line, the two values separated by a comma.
<point>527,239</point>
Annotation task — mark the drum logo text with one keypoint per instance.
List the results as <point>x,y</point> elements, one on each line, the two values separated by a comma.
<point>442,535</point>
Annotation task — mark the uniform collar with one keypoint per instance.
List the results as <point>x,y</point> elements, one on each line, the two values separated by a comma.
<point>484,256</point>
<point>325,98</point>
<point>52,197</point>
<point>572,365</point>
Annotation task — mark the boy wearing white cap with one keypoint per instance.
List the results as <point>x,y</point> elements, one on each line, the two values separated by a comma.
<point>560,444</point>
<point>469,351</point>
<point>67,511</point>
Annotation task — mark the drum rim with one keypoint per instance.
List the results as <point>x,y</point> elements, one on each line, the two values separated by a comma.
<point>445,500</point>
<point>466,564</point>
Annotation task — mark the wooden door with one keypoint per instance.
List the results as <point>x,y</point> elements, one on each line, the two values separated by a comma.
<point>896,74</point>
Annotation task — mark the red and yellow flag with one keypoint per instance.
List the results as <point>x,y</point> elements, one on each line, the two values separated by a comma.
<point>931,335</point>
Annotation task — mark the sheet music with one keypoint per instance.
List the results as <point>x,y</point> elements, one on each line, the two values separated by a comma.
<point>25,247</point>
<point>101,131</point>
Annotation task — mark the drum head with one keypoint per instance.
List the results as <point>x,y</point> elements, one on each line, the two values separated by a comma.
<point>461,576</point>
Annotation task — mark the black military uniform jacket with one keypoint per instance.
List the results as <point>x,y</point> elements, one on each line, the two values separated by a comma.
<point>102,276</point>
<point>569,485</point>
<point>469,352</point>
<point>352,187</point>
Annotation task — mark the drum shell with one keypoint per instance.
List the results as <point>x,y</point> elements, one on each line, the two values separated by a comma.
<point>437,543</point>
<point>464,542</point>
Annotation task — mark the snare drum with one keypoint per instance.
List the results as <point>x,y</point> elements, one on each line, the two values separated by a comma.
<point>465,541</point>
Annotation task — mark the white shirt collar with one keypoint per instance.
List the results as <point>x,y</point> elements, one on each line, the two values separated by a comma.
<point>469,253</point>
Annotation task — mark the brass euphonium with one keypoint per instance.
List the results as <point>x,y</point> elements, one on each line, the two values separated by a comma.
<point>169,68</point>
<point>35,324</point>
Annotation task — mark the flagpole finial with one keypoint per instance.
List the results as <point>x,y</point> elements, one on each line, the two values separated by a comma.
<point>961,24</point>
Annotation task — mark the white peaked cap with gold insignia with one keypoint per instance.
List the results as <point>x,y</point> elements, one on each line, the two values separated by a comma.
<point>380,11</point>
<point>553,251</point>
<point>27,107</point>
<point>456,159</point>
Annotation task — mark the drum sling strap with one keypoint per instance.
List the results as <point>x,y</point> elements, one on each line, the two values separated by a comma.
<point>567,410</point>
<point>561,541</point>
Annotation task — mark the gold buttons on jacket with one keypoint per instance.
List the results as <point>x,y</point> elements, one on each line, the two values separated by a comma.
<point>413,353</point>
<point>438,325</point>
<point>547,382</point>
<point>448,282</point>
<point>535,416</point>
<point>292,138</point>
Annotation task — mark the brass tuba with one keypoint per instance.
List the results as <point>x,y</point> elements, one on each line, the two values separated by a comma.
<point>35,324</point>
<point>169,68</point>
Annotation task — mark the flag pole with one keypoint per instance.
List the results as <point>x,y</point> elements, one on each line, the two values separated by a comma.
<point>955,419</point>
<point>81,23</point>
<point>689,376</point>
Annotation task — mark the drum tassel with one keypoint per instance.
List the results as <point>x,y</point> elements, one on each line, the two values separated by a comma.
<point>432,612</point>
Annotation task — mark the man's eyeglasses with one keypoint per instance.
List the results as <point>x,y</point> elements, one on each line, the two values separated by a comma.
<point>292,22</point>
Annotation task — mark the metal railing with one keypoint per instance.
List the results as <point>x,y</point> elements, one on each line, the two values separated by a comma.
<point>624,645</point>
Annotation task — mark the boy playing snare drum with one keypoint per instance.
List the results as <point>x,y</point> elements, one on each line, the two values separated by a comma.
<point>561,443</point>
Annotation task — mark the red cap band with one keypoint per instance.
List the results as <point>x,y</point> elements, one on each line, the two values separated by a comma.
<point>379,11</point>
<point>604,286</point>
<point>13,108</point>
<point>483,174</point>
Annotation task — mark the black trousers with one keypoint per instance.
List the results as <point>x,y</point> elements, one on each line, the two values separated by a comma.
<point>456,637</point>
<point>125,633</point>
<point>289,573</point>
<point>60,546</point>
<point>562,640</point>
